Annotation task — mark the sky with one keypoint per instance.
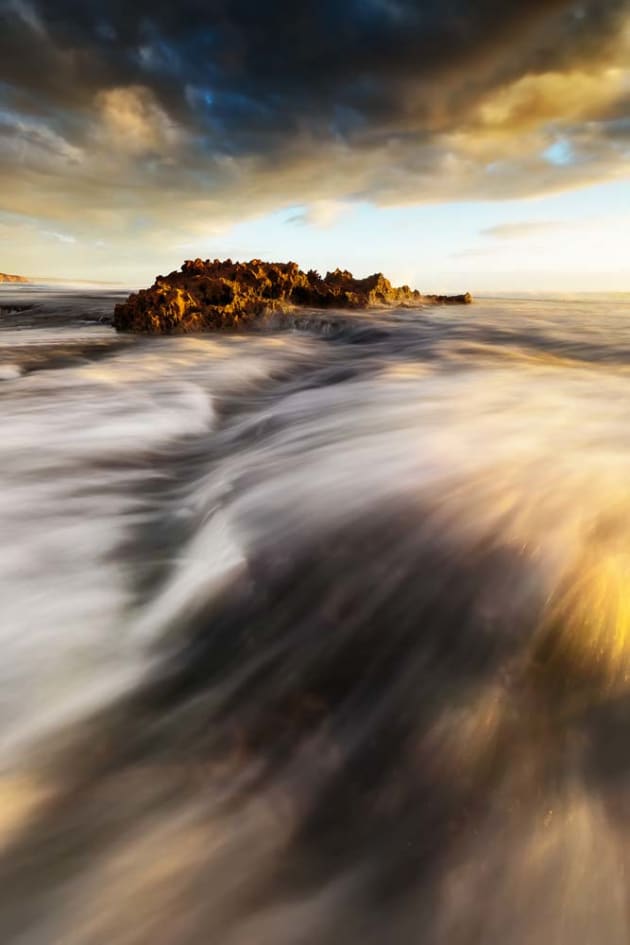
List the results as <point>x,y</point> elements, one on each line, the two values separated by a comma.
<point>479,145</point>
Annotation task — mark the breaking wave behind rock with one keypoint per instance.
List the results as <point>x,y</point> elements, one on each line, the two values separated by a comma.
<point>320,634</point>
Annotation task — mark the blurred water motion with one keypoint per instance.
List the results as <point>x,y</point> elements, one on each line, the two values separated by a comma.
<point>319,634</point>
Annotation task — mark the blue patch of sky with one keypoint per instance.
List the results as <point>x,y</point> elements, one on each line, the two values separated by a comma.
<point>225,101</point>
<point>199,96</point>
<point>560,153</point>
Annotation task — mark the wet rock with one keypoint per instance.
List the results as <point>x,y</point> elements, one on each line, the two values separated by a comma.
<point>465,299</point>
<point>212,295</point>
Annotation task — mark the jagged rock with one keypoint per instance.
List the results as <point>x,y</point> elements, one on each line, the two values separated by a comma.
<point>206,296</point>
<point>5,277</point>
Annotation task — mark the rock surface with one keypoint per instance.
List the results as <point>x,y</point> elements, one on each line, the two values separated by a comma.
<point>5,277</point>
<point>206,295</point>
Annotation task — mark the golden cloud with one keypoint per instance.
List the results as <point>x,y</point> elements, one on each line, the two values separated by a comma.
<point>134,122</point>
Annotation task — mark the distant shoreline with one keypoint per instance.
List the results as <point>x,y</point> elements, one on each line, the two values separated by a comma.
<point>6,278</point>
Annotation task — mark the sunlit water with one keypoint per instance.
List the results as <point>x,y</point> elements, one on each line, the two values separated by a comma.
<point>318,634</point>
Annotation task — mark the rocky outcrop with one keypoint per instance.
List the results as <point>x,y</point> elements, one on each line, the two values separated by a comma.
<point>4,277</point>
<point>465,299</point>
<point>206,296</point>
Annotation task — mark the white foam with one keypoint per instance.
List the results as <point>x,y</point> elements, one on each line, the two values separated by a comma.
<point>9,372</point>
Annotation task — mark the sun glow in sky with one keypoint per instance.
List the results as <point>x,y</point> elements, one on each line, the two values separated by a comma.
<point>481,147</point>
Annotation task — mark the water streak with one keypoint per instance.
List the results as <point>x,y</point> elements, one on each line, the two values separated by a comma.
<point>315,634</point>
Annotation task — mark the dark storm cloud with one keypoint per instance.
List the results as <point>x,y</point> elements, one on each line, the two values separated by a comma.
<point>277,67</point>
<point>243,103</point>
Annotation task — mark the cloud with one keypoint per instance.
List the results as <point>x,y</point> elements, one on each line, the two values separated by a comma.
<point>586,243</point>
<point>60,237</point>
<point>133,121</point>
<point>321,213</point>
<point>27,141</point>
<point>560,97</point>
<point>517,231</point>
<point>26,12</point>
<point>152,116</point>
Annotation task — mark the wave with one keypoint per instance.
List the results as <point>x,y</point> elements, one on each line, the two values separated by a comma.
<point>325,635</point>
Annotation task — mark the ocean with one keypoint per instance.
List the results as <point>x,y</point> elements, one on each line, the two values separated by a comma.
<point>318,633</point>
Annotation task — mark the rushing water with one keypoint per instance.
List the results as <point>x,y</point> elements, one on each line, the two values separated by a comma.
<point>318,634</point>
